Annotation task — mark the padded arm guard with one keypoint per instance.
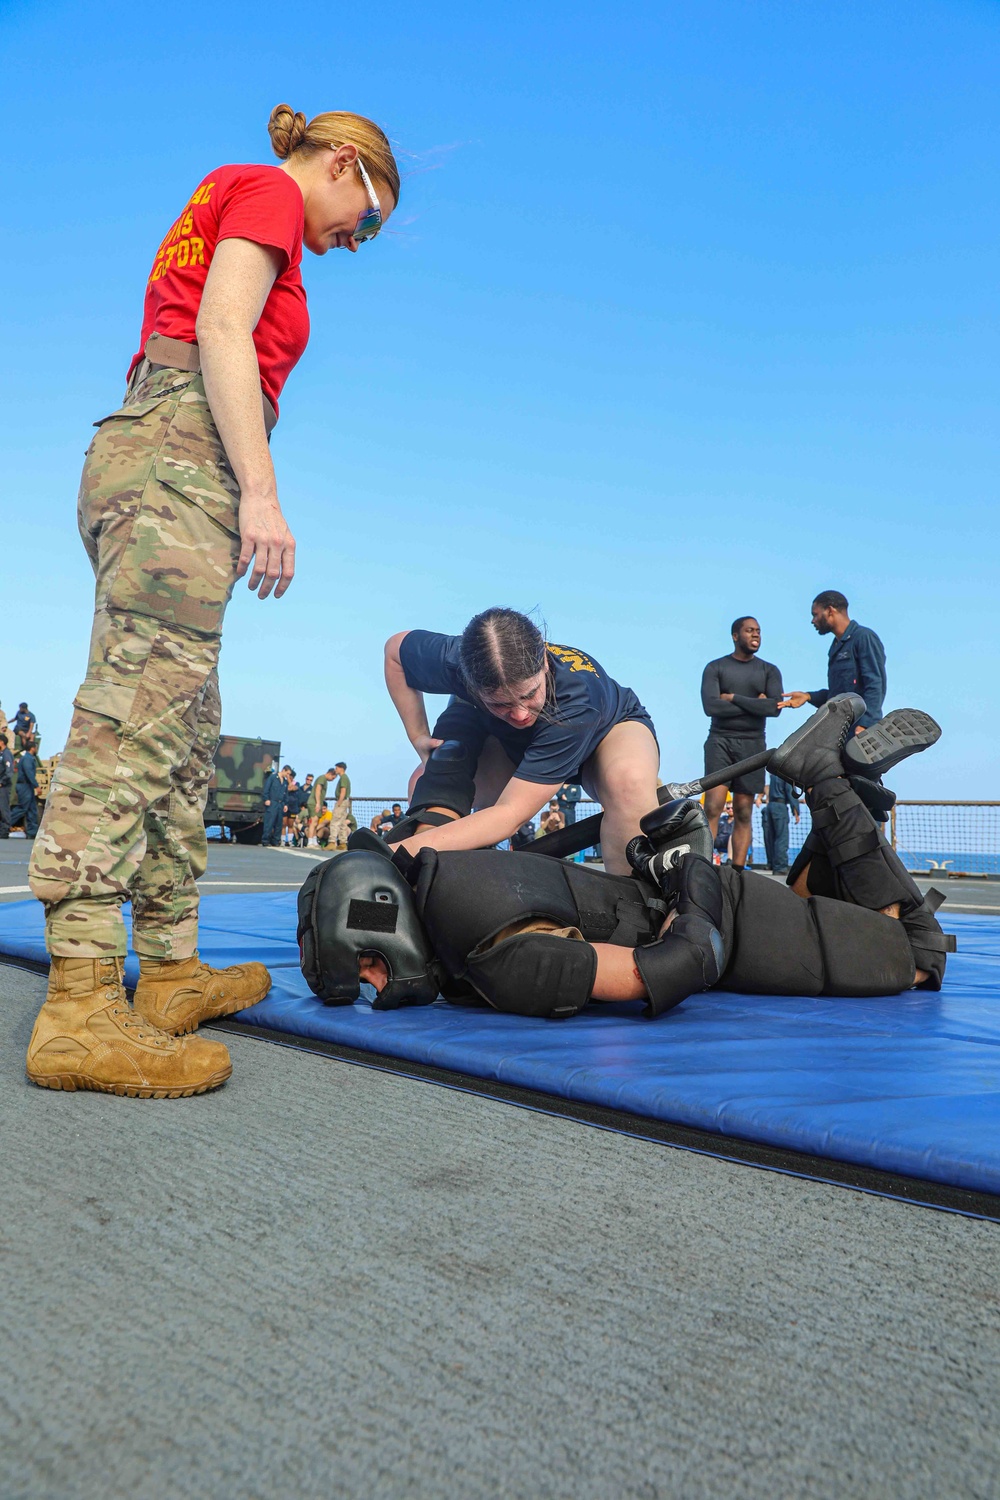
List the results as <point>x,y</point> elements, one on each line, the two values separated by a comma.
<point>535,974</point>
<point>690,956</point>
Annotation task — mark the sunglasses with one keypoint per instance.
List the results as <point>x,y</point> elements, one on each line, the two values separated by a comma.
<point>370,222</point>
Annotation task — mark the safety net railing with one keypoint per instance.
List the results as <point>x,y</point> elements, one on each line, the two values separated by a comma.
<point>953,838</point>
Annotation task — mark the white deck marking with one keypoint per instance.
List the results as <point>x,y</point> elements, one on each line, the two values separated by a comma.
<point>271,885</point>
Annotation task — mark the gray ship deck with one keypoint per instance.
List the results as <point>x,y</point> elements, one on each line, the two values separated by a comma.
<point>328,1280</point>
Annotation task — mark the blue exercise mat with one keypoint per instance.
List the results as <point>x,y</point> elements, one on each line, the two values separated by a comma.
<point>908,1084</point>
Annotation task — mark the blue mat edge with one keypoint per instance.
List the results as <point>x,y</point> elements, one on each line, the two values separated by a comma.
<point>917,1165</point>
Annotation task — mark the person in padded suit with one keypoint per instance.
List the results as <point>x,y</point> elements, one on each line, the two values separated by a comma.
<point>540,937</point>
<point>524,717</point>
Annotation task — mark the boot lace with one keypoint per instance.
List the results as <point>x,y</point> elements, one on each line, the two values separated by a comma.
<point>143,1032</point>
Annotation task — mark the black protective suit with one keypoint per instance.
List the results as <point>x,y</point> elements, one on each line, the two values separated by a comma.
<point>773,942</point>
<point>469,925</point>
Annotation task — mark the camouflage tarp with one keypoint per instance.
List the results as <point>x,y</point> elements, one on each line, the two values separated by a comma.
<point>236,790</point>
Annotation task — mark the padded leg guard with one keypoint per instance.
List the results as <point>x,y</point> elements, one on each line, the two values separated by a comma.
<point>691,954</point>
<point>867,871</point>
<point>786,946</point>
<point>775,949</point>
<point>535,974</point>
<point>864,953</point>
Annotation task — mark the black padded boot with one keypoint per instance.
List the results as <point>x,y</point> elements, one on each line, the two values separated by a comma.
<point>813,753</point>
<point>903,732</point>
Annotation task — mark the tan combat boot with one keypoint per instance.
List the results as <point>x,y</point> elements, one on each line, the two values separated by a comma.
<point>87,1037</point>
<point>178,994</point>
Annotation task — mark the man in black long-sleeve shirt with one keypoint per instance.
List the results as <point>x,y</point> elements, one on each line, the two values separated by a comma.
<point>738,692</point>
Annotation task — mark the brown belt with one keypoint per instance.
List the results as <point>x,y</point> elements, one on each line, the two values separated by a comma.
<point>177,355</point>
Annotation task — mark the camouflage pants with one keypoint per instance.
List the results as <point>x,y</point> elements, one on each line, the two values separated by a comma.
<point>158,514</point>
<point>339,825</point>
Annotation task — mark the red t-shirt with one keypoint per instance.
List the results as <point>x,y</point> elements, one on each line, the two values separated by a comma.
<point>262,204</point>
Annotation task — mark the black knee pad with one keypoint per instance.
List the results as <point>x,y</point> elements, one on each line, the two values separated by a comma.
<point>864,953</point>
<point>408,826</point>
<point>448,779</point>
<point>535,974</point>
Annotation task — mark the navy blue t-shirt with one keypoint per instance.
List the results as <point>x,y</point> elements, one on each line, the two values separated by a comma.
<point>585,704</point>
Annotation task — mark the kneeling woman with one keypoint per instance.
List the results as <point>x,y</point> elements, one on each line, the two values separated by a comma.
<point>524,717</point>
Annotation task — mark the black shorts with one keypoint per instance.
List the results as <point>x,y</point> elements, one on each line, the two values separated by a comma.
<point>722,750</point>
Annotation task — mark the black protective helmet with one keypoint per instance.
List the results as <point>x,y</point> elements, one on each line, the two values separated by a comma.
<point>357,903</point>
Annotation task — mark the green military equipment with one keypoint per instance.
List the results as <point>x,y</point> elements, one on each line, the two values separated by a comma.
<point>236,790</point>
<point>45,771</point>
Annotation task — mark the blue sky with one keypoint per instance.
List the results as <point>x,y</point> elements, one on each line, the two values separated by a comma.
<point>689,311</point>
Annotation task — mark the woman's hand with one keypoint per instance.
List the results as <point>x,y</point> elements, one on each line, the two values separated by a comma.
<point>268,542</point>
<point>237,286</point>
<point>519,801</point>
<point>423,745</point>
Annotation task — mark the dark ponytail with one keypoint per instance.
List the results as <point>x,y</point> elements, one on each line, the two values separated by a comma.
<point>500,648</point>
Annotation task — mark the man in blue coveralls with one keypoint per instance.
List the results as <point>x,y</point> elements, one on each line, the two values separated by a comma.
<point>856,663</point>
<point>274,808</point>
<point>774,817</point>
<point>26,806</point>
<point>6,782</point>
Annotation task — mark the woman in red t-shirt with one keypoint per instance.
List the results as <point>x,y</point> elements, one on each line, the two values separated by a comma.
<point>178,500</point>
